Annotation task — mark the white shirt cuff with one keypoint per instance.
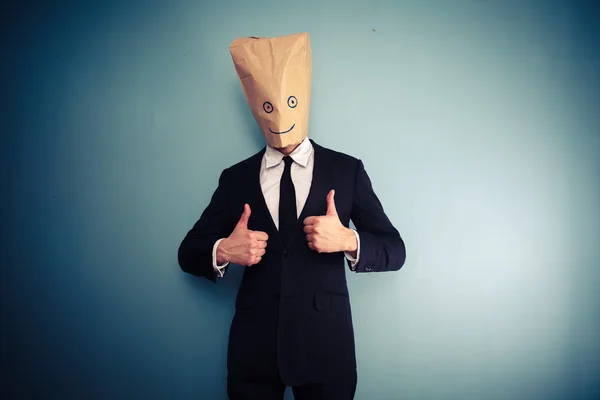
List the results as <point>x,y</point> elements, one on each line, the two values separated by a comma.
<point>354,261</point>
<point>218,268</point>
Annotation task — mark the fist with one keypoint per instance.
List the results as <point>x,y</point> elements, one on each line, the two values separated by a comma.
<point>243,246</point>
<point>326,234</point>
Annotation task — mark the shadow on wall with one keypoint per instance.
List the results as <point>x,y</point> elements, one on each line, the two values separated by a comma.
<point>225,290</point>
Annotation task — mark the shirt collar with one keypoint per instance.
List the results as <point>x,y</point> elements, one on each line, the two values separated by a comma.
<point>300,155</point>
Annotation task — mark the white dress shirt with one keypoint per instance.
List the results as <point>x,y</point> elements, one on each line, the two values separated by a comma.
<point>301,172</point>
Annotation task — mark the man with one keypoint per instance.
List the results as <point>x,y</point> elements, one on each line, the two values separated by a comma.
<point>284,215</point>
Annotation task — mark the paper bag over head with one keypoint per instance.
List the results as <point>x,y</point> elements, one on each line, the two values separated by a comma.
<point>275,74</point>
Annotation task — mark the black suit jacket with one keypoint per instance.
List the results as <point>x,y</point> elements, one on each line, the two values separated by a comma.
<point>293,317</point>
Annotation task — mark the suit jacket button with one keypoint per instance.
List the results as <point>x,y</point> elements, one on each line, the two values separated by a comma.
<point>286,253</point>
<point>276,297</point>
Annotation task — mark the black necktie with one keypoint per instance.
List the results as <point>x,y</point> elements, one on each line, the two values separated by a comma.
<point>287,203</point>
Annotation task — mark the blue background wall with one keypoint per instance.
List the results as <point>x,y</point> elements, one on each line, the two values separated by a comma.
<point>478,121</point>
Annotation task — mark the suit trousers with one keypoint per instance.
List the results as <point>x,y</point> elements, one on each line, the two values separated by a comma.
<point>339,389</point>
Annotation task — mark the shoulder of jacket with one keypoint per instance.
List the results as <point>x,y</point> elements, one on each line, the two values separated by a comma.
<point>335,155</point>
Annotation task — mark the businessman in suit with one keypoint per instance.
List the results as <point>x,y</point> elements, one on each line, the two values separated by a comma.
<point>284,214</point>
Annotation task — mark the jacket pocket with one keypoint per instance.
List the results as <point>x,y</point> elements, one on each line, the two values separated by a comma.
<point>325,299</point>
<point>322,300</point>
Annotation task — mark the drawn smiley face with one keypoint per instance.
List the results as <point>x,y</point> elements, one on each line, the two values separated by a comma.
<point>292,102</point>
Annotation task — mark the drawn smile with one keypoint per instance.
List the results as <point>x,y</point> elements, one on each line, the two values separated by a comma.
<point>281,133</point>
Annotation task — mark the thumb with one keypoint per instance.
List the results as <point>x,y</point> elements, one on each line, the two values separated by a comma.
<point>331,210</point>
<point>243,222</point>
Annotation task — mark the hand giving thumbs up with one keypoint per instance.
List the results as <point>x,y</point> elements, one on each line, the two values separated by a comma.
<point>326,234</point>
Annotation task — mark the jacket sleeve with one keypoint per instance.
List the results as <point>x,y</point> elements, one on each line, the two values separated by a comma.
<point>381,247</point>
<point>216,222</point>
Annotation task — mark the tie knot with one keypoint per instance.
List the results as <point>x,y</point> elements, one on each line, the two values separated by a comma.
<point>288,161</point>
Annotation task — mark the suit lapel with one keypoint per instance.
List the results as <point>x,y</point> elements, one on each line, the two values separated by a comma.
<point>316,203</point>
<point>263,210</point>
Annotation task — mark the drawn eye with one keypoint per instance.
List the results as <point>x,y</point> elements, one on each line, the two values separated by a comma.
<point>268,107</point>
<point>292,101</point>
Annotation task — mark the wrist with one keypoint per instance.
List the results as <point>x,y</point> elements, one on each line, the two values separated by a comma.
<point>351,242</point>
<point>221,253</point>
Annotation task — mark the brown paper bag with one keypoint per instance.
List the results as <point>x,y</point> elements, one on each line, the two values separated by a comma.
<point>275,74</point>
